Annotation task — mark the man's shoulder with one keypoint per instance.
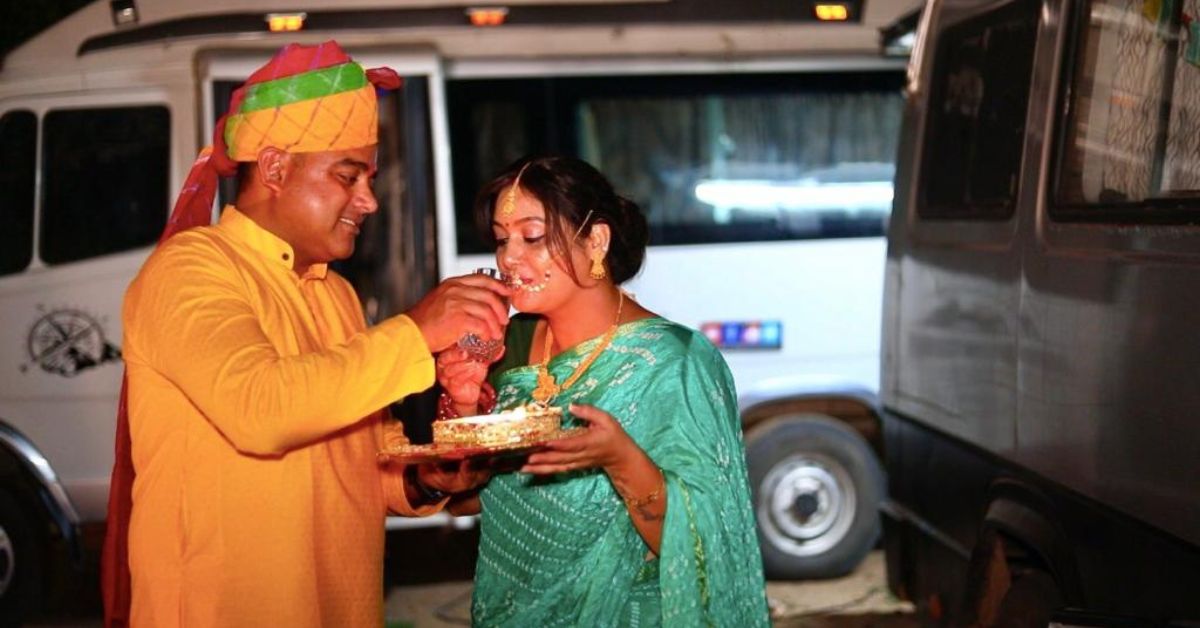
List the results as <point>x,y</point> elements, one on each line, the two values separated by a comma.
<point>195,248</point>
<point>197,240</point>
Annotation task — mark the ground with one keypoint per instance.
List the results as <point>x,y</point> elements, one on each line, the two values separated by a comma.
<point>437,594</point>
<point>442,598</point>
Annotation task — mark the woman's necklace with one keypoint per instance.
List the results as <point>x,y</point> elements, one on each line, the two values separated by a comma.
<point>547,388</point>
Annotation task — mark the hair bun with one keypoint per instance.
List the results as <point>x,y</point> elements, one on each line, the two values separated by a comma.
<point>630,235</point>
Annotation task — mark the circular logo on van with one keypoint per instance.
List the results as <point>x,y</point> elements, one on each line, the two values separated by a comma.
<point>65,342</point>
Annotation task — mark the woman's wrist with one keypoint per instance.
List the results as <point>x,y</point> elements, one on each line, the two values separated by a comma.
<point>628,460</point>
<point>448,408</point>
<point>640,483</point>
<point>466,409</point>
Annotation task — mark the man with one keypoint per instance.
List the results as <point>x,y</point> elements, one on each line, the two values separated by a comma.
<point>254,386</point>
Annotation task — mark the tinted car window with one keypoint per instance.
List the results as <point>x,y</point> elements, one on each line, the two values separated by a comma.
<point>710,158</point>
<point>18,150</point>
<point>105,178</point>
<point>977,111</point>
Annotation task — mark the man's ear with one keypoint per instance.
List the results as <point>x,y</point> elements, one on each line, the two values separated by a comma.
<point>272,166</point>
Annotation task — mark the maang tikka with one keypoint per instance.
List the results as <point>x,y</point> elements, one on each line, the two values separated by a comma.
<point>510,201</point>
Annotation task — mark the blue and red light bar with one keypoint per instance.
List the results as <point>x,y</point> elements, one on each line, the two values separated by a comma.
<point>744,334</point>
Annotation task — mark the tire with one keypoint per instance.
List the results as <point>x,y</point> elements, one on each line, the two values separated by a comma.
<point>20,566</point>
<point>1031,599</point>
<point>817,486</point>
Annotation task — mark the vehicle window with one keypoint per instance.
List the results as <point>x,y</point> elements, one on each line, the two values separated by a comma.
<point>1130,150</point>
<point>976,122</point>
<point>105,178</point>
<point>18,150</point>
<point>492,124</point>
<point>709,158</point>
<point>732,168</point>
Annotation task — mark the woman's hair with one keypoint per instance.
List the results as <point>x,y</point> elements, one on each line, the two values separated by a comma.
<point>568,189</point>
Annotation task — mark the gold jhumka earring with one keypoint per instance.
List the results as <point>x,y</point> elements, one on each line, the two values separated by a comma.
<point>510,200</point>
<point>598,272</point>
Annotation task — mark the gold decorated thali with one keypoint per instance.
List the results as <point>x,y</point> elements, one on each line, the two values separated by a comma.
<point>509,433</point>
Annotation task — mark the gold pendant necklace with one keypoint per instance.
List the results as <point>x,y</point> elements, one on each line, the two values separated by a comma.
<point>547,388</point>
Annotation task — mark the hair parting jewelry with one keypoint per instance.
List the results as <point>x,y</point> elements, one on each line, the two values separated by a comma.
<point>547,388</point>
<point>582,225</point>
<point>510,199</point>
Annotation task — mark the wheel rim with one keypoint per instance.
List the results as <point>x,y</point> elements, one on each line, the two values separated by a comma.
<point>7,562</point>
<point>806,504</point>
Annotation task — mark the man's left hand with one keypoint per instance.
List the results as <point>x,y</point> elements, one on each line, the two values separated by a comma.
<point>452,479</point>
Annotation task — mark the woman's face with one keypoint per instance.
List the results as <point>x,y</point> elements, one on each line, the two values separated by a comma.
<point>541,279</point>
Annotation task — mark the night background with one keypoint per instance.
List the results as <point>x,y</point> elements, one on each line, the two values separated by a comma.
<point>22,19</point>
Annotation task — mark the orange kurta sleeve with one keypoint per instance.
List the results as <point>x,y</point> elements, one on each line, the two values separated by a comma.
<point>392,477</point>
<point>204,333</point>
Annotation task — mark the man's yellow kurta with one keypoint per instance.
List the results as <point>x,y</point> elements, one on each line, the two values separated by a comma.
<point>254,404</point>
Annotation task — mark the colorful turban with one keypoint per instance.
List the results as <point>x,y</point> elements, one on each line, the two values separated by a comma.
<point>306,99</point>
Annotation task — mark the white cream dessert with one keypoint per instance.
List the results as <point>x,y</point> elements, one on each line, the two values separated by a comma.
<point>519,425</point>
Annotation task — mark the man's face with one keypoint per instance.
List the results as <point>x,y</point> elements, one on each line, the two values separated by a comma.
<point>323,200</point>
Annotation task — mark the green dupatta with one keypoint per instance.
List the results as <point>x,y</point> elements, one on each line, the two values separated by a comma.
<point>562,551</point>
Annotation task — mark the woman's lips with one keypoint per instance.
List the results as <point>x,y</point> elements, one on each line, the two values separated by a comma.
<point>523,283</point>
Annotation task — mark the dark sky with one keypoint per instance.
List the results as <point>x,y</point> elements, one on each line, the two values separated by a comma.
<point>22,19</point>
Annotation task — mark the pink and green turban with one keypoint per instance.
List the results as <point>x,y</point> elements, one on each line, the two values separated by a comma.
<point>306,99</point>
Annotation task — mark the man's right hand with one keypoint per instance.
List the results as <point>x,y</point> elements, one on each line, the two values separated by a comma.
<point>462,305</point>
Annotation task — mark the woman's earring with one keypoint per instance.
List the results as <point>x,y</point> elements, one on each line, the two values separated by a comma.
<point>598,271</point>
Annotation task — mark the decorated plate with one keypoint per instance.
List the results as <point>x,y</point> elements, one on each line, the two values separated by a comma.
<point>445,452</point>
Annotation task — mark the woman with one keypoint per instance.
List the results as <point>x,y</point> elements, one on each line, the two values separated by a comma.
<point>645,518</point>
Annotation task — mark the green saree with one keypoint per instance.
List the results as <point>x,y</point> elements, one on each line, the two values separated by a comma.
<point>562,551</point>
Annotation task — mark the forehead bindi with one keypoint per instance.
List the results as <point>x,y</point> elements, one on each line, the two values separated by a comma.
<point>526,210</point>
<point>518,222</point>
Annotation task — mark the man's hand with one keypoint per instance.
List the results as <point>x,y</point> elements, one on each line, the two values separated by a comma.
<point>462,305</point>
<point>454,479</point>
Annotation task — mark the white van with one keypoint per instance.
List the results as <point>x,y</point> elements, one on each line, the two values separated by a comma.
<point>760,140</point>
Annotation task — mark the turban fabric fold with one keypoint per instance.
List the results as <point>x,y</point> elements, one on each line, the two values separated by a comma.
<point>306,99</point>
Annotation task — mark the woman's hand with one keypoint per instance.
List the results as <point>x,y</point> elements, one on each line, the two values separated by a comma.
<point>604,445</point>
<point>638,481</point>
<point>461,378</point>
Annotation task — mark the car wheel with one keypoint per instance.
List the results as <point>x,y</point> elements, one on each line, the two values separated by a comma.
<point>817,486</point>
<point>19,569</point>
<point>1030,600</point>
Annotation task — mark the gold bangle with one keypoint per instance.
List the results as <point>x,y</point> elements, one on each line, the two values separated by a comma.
<point>640,502</point>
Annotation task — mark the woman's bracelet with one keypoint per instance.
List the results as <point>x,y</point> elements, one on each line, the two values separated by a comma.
<point>642,502</point>
<point>639,503</point>
<point>487,403</point>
